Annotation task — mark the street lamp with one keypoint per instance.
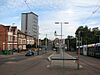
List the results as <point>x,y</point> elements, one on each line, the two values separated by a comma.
<point>46,41</point>
<point>61,51</point>
<point>61,28</point>
<point>79,40</point>
<point>13,36</point>
<point>29,38</point>
<point>38,43</point>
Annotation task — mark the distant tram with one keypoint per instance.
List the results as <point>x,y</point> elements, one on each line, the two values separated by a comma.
<point>92,50</point>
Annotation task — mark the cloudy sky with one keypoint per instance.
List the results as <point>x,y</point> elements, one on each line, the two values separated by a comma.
<point>76,12</point>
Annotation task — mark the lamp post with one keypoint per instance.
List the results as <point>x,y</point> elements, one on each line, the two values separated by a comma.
<point>38,44</point>
<point>61,30</point>
<point>61,51</point>
<point>46,42</point>
<point>29,37</point>
<point>13,36</point>
<point>68,44</point>
<point>79,40</point>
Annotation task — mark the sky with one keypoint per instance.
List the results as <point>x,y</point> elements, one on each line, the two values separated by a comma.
<point>75,12</point>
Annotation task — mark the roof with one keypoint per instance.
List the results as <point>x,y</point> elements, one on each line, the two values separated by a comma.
<point>20,32</point>
<point>31,13</point>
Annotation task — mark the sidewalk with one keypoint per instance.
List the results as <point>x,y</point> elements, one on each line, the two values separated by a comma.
<point>66,61</point>
<point>14,54</point>
<point>60,56</point>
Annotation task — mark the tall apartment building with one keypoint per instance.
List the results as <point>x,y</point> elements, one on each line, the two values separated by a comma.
<point>29,24</point>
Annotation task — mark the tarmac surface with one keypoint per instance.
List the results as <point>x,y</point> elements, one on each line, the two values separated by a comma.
<point>38,65</point>
<point>64,60</point>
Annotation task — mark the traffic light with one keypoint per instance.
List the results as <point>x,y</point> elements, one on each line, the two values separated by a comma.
<point>55,33</point>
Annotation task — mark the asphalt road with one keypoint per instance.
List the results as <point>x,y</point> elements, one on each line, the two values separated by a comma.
<point>12,59</point>
<point>38,65</point>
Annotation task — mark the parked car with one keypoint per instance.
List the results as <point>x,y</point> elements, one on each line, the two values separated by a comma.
<point>29,53</point>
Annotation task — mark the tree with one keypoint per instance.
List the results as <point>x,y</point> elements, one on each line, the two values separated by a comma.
<point>70,41</point>
<point>87,35</point>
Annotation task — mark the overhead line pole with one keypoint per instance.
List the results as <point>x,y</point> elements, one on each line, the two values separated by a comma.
<point>99,37</point>
<point>61,32</point>
<point>61,43</point>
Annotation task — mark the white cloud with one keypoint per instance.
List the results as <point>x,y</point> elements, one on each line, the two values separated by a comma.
<point>73,11</point>
<point>61,16</point>
<point>34,3</point>
<point>15,3</point>
<point>85,2</point>
<point>73,16</point>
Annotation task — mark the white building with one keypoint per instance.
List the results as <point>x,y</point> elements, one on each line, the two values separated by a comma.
<point>29,24</point>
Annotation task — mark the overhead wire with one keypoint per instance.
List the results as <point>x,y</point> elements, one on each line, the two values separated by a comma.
<point>97,7</point>
<point>96,10</point>
<point>25,1</point>
<point>93,12</point>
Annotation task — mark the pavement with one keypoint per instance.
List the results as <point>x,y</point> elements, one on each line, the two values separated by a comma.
<point>14,54</point>
<point>38,65</point>
<point>65,60</point>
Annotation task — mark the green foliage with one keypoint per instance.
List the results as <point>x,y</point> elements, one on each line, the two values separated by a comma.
<point>44,41</point>
<point>84,36</point>
<point>31,46</point>
<point>88,35</point>
<point>70,41</point>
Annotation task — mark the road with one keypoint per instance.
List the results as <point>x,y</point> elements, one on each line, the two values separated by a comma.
<point>38,65</point>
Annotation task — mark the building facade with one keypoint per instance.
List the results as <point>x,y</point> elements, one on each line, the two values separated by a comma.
<point>12,38</point>
<point>29,24</point>
<point>24,40</point>
<point>3,37</point>
<point>8,37</point>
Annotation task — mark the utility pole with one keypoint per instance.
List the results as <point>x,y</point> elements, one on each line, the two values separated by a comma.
<point>68,44</point>
<point>13,36</point>
<point>79,39</point>
<point>61,42</point>
<point>98,37</point>
<point>26,25</point>
<point>38,43</point>
<point>5,39</point>
<point>46,42</point>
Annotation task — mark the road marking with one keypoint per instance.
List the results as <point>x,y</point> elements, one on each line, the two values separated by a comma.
<point>48,66</point>
<point>49,58</point>
<point>12,58</point>
<point>10,62</point>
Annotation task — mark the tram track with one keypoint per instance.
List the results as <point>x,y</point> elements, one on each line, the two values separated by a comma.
<point>90,64</point>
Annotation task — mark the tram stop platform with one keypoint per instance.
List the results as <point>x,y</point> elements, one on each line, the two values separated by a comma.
<point>64,60</point>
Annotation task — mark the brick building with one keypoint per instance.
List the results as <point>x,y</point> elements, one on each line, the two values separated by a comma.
<point>3,37</point>
<point>8,37</point>
<point>23,40</point>
<point>12,38</point>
